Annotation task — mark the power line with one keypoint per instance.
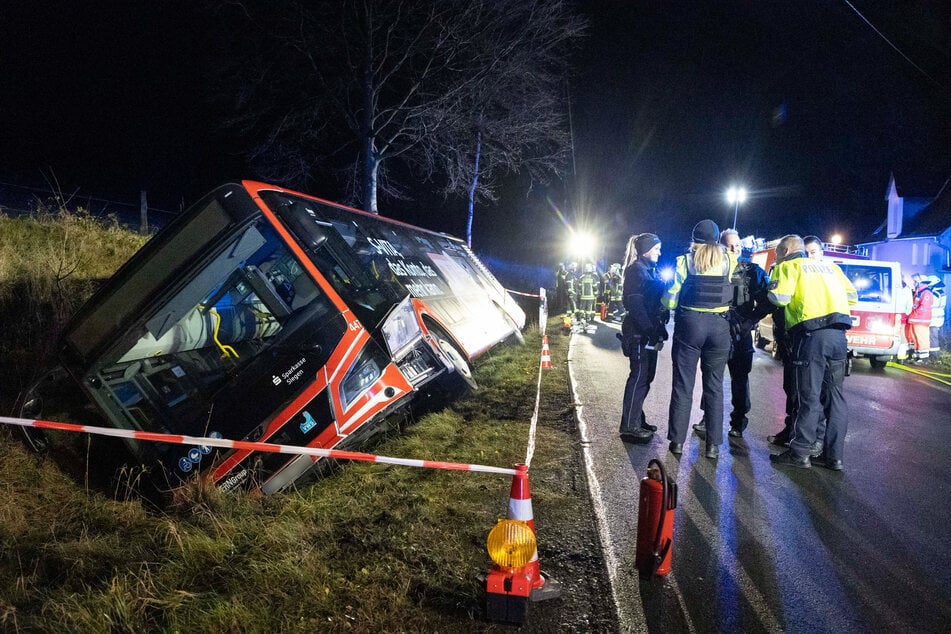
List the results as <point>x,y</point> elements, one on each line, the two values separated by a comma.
<point>898,50</point>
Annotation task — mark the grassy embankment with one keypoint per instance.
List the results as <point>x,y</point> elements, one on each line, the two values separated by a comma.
<point>373,548</point>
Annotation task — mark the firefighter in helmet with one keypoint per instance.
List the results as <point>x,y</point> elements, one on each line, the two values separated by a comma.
<point>571,288</point>
<point>701,295</point>
<point>938,308</point>
<point>560,303</point>
<point>615,292</point>
<point>588,285</point>
<point>920,317</point>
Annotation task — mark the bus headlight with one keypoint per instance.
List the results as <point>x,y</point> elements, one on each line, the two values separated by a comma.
<point>361,376</point>
<point>511,543</point>
<point>401,327</point>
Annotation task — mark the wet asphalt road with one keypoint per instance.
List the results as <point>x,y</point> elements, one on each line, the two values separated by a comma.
<point>760,548</point>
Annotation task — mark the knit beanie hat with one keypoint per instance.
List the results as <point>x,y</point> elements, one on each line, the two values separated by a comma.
<point>645,242</point>
<point>706,232</point>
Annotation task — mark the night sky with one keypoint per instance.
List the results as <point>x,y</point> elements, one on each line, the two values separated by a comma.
<point>802,102</point>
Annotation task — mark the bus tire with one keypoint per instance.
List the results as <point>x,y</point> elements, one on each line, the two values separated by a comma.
<point>459,362</point>
<point>459,381</point>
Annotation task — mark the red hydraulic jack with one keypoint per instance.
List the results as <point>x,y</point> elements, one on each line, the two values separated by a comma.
<point>655,522</point>
<point>516,578</point>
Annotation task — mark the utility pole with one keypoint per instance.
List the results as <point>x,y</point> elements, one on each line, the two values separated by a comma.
<point>143,212</point>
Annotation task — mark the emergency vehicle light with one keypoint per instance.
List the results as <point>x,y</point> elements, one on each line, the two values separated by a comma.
<point>511,543</point>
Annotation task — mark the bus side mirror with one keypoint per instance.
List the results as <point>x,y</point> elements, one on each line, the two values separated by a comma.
<point>315,235</point>
<point>312,234</point>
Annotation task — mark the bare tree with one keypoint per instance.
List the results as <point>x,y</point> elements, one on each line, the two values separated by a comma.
<point>514,118</point>
<point>355,85</point>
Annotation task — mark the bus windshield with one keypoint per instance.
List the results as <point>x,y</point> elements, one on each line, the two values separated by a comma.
<point>341,255</point>
<point>190,346</point>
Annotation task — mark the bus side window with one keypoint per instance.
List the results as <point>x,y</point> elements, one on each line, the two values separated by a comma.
<point>305,291</point>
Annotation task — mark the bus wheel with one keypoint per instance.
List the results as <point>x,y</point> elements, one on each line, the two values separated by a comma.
<point>458,361</point>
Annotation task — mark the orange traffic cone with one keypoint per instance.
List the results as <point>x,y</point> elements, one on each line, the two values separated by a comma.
<point>520,508</point>
<point>546,354</point>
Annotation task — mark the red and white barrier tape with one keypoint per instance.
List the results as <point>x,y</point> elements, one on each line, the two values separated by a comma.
<point>530,450</point>
<point>294,449</point>
<point>251,446</point>
<point>522,294</point>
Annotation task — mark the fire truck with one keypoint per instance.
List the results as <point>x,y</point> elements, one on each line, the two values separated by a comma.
<point>876,332</point>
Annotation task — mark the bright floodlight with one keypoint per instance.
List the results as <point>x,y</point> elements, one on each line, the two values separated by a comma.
<point>582,244</point>
<point>836,239</point>
<point>736,195</point>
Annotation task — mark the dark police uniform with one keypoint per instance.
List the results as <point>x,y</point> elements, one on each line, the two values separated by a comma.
<point>642,329</point>
<point>783,342</point>
<point>751,289</point>
<point>816,296</point>
<point>701,334</point>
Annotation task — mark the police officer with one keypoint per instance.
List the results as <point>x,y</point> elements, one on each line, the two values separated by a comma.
<point>783,342</point>
<point>750,304</point>
<point>701,293</point>
<point>816,296</point>
<point>643,331</point>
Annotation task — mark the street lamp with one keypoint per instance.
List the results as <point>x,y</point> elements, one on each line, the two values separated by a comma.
<point>735,196</point>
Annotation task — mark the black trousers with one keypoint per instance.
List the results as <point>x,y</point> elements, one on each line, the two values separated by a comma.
<point>643,368</point>
<point>819,360</point>
<point>704,338</point>
<point>792,402</point>
<point>739,366</point>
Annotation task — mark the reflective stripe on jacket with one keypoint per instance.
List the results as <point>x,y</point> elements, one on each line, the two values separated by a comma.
<point>716,279</point>
<point>587,286</point>
<point>921,311</point>
<point>815,294</point>
<point>939,306</point>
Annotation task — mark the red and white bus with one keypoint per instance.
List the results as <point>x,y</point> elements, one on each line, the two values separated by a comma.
<point>267,315</point>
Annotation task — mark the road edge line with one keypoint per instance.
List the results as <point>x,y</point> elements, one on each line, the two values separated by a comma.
<point>594,494</point>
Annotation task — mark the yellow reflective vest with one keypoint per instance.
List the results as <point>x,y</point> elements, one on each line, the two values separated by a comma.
<point>814,293</point>
<point>685,268</point>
